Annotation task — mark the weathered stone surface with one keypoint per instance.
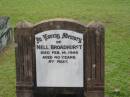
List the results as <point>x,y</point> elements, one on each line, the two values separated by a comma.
<point>3,22</point>
<point>28,36</point>
<point>5,32</point>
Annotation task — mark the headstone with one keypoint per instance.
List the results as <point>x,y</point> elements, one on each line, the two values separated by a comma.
<point>3,21</point>
<point>59,57</point>
<point>5,32</point>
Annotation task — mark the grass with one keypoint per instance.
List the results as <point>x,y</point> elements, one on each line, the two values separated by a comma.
<point>115,14</point>
<point>7,72</point>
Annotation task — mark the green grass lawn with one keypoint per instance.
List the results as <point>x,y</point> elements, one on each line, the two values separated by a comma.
<point>115,14</point>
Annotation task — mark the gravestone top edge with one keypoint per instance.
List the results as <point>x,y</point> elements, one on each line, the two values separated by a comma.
<point>4,17</point>
<point>91,25</point>
<point>24,24</point>
<point>3,22</point>
<point>96,25</point>
<point>59,20</point>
